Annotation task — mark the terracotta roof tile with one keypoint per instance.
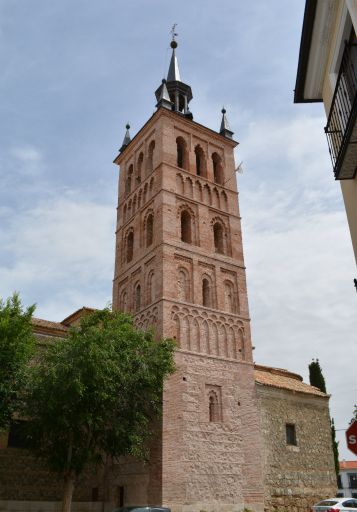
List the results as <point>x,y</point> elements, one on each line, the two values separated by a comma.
<point>41,325</point>
<point>348,464</point>
<point>283,379</point>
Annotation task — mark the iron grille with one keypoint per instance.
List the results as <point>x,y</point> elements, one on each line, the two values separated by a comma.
<point>342,116</point>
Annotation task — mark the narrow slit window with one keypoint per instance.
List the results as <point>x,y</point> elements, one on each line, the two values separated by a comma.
<point>290,434</point>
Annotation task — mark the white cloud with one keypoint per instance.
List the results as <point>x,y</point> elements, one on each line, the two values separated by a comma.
<point>26,154</point>
<point>299,258</point>
<point>59,253</point>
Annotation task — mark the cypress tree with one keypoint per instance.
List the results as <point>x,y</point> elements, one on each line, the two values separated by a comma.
<point>316,377</point>
<point>317,380</point>
<point>335,447</point>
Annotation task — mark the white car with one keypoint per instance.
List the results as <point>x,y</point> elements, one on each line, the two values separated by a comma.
<point>336,505</point>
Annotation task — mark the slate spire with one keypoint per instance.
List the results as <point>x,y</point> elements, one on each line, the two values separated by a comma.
<point>174,72</point>
<point>163,98</point>
<point>179,94</point>
<point>225,128</point>
<point>127,139</point>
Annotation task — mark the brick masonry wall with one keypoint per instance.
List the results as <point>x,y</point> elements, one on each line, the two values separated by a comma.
<point>298,476</point>
<point>24,478</point>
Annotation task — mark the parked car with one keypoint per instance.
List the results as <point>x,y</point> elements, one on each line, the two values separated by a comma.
<point>141,508</point>
<point>336,505</point>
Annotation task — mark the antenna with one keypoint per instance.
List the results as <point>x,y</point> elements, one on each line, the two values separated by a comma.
<point>172,31</point>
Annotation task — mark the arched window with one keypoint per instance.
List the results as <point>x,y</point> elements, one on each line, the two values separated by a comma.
<point>124,302</point>
<point>151,287</point>
<point>200,161</point>
<point>179,184</point>
<point>183,285</point>
<point>229,299</point>
<point>188,187</point>
<point>128,179</point>
<point>224,200</point>
<point>137,297</point>
<point>218,235</point>
<point>124,213</point>
<point>186,227</point>
<point>214,409</point>
<point>181,153</point>
<point>151,187</point>
<point>149,229</point>
<point>139,167</point>
<point>129,246</point>
<point>217,169</point>
<point>206,292</point>
<point>150,160</point>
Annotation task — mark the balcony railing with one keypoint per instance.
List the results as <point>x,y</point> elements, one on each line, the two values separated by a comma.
<point>341,128</point>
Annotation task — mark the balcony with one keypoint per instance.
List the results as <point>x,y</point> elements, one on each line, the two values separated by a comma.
<point>341,128</point>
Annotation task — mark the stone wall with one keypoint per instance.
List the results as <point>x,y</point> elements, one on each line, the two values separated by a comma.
<point>298,476</point>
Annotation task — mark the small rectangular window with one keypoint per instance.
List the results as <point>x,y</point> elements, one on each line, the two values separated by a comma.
<point>352,477</point>
<point>290,434</point>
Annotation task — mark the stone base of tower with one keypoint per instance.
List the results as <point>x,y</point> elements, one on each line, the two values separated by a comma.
<point>211,451</point>
<point>208,455</point>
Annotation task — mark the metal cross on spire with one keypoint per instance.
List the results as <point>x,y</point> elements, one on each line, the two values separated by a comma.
<point>172,31</point>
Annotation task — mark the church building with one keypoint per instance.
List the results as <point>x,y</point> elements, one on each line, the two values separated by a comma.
<point>234,435</point>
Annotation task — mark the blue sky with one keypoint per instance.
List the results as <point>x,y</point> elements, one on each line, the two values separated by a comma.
<point>74,73</point>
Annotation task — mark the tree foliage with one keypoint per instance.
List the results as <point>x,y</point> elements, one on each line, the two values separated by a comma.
<point>316,377</point>
<point>16,348</point>
<point>96,392</point>
<point>335,448</point>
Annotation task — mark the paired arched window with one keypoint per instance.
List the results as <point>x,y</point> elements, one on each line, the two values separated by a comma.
<point>137,297</point>
<point>200,161</point>
<point>150,160</point>
<point>206,292</point>
<point>214,407</point>
<point>217,169</point>
<point>139,167</point>
<point>130,246</point>
<point>181,153</point>
<point>149,229</point>
<point>186,227</point>
<point>219,238</point>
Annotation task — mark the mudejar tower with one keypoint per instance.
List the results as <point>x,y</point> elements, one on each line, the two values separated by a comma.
<point>179,268</point>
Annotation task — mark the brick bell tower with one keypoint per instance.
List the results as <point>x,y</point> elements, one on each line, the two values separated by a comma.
<point>179,268</point>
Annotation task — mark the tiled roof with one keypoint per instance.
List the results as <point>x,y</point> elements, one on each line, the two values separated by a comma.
<point>77,314</point>
<point>47,326</point>
<point>283,379</point>
<point>348,464</point>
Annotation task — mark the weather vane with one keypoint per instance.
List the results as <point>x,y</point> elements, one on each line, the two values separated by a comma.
<point>172,31</point>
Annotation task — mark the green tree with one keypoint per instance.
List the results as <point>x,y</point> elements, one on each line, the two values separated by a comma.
<point>335,448</point>
<point>315,375</point>
<point>16,348</point>
<point>354,417</point>
<point>95,393</point>
<point>317,379</point>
